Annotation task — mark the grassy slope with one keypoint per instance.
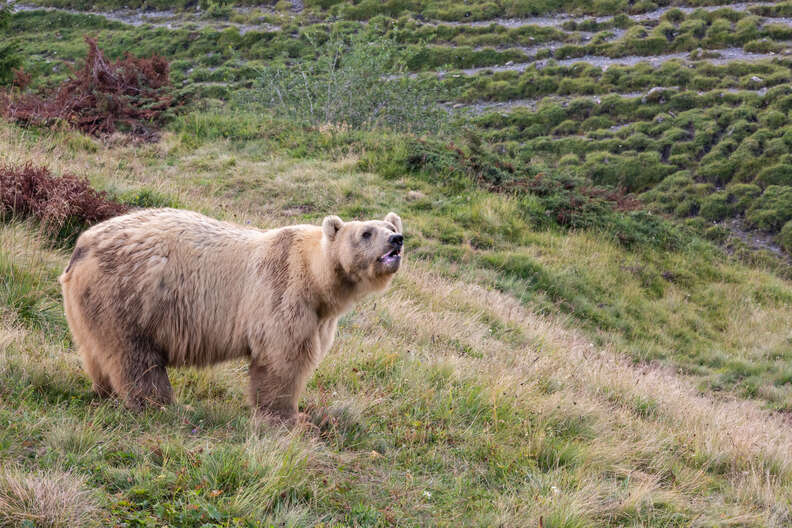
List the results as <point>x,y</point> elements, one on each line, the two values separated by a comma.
<point>452,403</point>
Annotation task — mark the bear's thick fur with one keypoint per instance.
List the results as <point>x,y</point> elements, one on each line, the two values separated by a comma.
<point>165,287</point>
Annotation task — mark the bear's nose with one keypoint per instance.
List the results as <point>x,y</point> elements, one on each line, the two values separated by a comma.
<point>396,240</point>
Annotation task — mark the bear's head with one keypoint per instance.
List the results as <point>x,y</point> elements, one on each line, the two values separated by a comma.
<point>368,253</point>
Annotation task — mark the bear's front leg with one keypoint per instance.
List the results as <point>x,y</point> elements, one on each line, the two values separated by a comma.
<point>277,380</point>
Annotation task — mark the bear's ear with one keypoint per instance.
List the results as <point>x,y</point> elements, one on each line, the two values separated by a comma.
<point>331,225</point>
<point>394,219</point>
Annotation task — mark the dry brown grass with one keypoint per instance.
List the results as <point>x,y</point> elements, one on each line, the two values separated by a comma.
<point>46,500</point>
<point>753,445</point>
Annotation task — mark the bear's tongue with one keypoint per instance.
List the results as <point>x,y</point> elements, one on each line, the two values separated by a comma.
<point>391,255</point>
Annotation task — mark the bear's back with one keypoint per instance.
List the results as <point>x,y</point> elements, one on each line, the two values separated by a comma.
<point>177,275</point>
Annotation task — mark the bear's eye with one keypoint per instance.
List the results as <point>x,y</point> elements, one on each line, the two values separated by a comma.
<point>366,234</point>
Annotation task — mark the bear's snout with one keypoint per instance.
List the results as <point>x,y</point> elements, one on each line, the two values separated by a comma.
<point>397,240</point>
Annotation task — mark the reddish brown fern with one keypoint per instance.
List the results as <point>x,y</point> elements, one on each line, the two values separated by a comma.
<point>99,97</point>
<point>58,203</point>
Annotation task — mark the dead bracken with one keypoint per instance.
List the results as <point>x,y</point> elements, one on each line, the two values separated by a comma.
<point>99,98</point>
<point>28,191</point>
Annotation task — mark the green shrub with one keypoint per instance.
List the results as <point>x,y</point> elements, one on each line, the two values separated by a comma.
<point>322,4</point>
<point>747,29</point>
<point>715,207</point>
<point>763,46</point>
<point>784,238</point>
<point>345,85</point>
<point>632,172</point>
<point>718,172</point>
<point>780,174</point>
<point>675,15</point>
<point>717,234</point>
<point>596,122</point>
<point>771,210</point>
<point>775,147</point>
<point>569,160</point>
<point>147,198</point>
<point>10,58</point>
<point>688,207</point>
<point>566,128</point>
<point>742,195</point>
<point>778,31</point>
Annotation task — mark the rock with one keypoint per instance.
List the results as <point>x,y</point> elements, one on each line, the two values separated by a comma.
<point>415,195</point>
<point>756,79</point>
<point>654,95</point>
<point>509,63</point>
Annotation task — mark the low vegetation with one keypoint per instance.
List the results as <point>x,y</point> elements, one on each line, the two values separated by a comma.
<point>345,87</point>
<point>63,206</point>
<point>10,59</point>
<point>100,97</point>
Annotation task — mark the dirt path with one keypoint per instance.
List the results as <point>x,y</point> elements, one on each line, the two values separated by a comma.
<point>167,19</point>
<point>175,20</point>
<point>723,56</point>
<point>558,20</point>
<point>531,104</point>
<point>753,238</point>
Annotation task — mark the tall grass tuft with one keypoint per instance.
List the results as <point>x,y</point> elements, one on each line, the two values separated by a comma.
<point>47,500</point>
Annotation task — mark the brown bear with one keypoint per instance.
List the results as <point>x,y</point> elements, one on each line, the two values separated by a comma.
<point>165,287</point>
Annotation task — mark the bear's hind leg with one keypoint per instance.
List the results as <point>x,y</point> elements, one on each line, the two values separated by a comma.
<point>84,333</point>
<point>140,378</point>
<point>101,381</point>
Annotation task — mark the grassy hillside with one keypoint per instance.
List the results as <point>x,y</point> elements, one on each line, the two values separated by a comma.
<point>584,334</point>
<point>445,402</point>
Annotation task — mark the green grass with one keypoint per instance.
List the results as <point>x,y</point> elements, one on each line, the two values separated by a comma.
<point>411,434</point>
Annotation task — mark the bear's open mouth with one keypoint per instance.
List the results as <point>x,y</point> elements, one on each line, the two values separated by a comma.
<point>391,255</point>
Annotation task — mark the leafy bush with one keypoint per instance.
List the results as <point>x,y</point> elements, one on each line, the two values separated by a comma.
<point>632,172</point>
<point>716,207</point>
<point>64,206</point>
<point>785,237</point>
<point>147,198</point>
<point>776,175</point>
<point>742,195</point>
<point>99,98</point>
<point>349,84</point>
<point>773,209</point>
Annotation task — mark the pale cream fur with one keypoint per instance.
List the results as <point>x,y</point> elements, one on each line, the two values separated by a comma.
<point>166,287</point>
